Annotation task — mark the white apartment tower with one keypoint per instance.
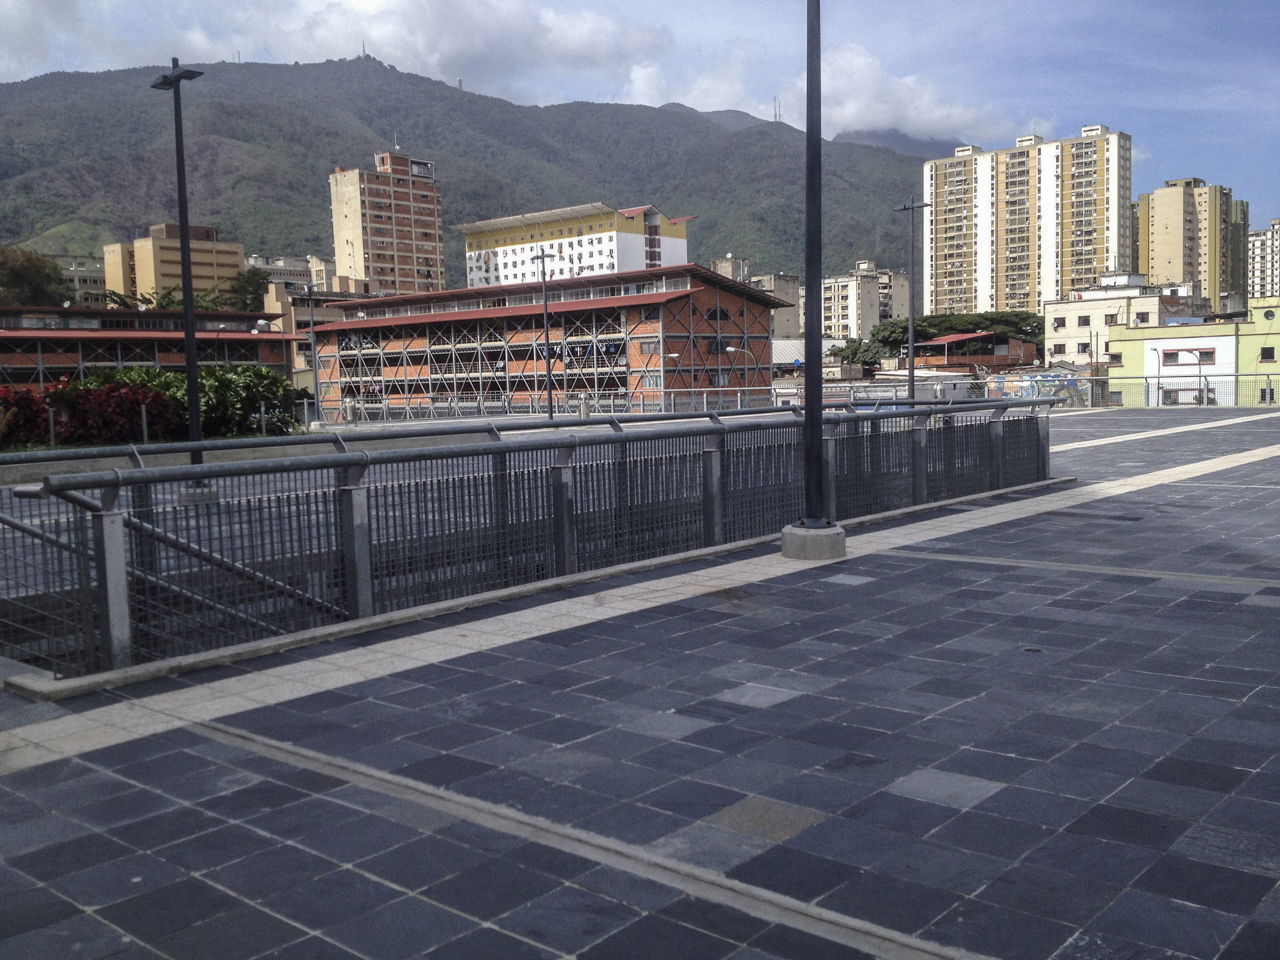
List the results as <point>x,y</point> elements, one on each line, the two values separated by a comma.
<point>585,240</point>
<point>1264,262</point>
<point>1014,228</point>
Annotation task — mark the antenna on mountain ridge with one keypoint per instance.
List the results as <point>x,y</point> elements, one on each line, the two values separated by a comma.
<point>777,110</point>
<point>395,138</point>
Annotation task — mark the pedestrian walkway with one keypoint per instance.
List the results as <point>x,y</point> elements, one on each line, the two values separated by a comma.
<point>1032,727</point>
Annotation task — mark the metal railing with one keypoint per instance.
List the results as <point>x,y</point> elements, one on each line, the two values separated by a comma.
<point>103,569</point>
<point>1182,387</point>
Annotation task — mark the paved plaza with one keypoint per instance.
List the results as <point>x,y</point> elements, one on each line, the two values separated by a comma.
<point>1039,726</point>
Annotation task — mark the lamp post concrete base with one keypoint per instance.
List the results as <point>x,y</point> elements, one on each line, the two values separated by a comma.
<point>813,543</point>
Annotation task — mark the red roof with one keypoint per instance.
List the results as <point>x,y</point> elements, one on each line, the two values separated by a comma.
<point>955,337</point>
<point>42,334</point>
<point>524,309</point>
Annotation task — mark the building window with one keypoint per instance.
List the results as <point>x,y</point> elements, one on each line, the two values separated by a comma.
<point>1082,348</point>
<point>1082,321</point>
<point>1143,316</point>
<point>1111,319</point>
<point>1267,355</point>
<point>1059,323</point>
<point>1187,357</point>
<point>1059,348</point>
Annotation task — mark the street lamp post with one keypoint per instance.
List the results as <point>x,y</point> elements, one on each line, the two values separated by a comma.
<point>910,209</point>
<point>173,81</point>
<point>546,330</point>
<point>315,356</point>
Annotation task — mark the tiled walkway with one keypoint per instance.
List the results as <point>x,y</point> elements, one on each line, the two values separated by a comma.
<point>1037,727</point>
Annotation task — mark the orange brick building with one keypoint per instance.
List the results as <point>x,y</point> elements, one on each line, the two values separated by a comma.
<point>678,337</point>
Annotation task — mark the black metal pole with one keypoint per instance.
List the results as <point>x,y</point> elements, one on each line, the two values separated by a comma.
<point>910,208</point>
<point>173,81</point>
<point>814,472</point>
<point>546,332</point>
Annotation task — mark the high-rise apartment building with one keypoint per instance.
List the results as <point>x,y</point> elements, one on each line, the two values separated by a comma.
<point>1010,229</point>
<point>1264,262</point>
<point>853,303</point>
<point>153,264</point>
<point>1188,231</point>
<point>387,225</point>
<point>586,240</point>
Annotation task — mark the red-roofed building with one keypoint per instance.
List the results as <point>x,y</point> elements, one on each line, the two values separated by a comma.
<point>587,240</point>
<point>676,337</point>
<point>41,345</point>
<point>965,352</point>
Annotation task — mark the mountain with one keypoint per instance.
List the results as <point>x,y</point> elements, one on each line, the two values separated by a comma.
<point>88,157</point>
<point>900,142</point>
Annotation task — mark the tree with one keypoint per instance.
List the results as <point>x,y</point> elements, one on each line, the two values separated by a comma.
<point>29,279</point>
<point>1019,324</point>
<point>859,352</point>
<point>247,289</point>
<point>169,299</point>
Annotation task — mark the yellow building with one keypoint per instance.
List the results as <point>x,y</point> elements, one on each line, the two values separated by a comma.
<point>1191,232</point>
<point>586,240</point>
<point>1010,229</point>
<point>1218,361</point>
<point>153,264</point>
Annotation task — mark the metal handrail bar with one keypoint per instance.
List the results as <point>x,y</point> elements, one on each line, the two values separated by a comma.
<point>431,429</point>
<point>115,479</point>
<point>200,553</point>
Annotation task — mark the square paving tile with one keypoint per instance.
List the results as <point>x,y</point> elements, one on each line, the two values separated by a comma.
<point>490,889</point>
<point>568,919</point>
<point>766,818</point>
<point>948,789</point>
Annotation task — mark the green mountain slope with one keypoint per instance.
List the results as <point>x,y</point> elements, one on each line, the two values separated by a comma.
<point>86,157</point>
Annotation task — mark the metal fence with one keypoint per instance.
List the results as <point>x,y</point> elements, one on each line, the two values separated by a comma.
<point>1186,388</point>
<point>104,569</point>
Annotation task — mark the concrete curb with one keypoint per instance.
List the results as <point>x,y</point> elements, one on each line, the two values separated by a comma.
<point>43,685</point>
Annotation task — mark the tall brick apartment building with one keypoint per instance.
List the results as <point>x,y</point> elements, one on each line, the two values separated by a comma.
<point>387,225</point>
<point>673,337</point>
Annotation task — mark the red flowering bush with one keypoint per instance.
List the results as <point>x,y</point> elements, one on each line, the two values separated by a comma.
<point>109,413</point>
<point>24,418</point>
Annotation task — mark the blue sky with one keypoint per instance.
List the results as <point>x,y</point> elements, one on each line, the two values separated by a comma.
<point>1197,84</point>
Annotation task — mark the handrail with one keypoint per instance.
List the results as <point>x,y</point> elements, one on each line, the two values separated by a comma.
<point>337,438</point>
<point>116,479</point>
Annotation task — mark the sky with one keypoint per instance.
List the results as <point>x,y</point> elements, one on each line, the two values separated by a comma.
<point>1195,83</point>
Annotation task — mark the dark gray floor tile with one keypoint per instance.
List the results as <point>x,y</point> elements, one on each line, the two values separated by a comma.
<point>400,929</point>
<point>277,868</point>
<point>207,850</point>
<point>333,898</point>
<point>568,919</point>
<point>998,931</point>
<point>487,944</point>
<point>117,879</point>
<point>82,936</point>
<point>70,856</point>
<point>1206,884</point>
<point>32,909</point>
<point>992,835</point>
<point>793,873</point>
<point>1254,941</point>
<point>490,889</point>
<point>235,935</point>
<point>1049,893</point>
<point>890,811</point>
<point>889,901</point>
<point>1138,827</point>
<point>654,936</point>
<point>1183,927</point>
<point>1034,806</point>
<point>165,910</point>
<point>422,862</point>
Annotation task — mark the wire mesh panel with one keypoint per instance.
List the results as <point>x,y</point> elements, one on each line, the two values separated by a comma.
<point>872,467</point>
<point>448,528</point>
<point>638,500</point>
<point>959,456</point>
<point>47,599</point>
<point>1023,453</point>
<point>237,559</point>
<point>763,481</point>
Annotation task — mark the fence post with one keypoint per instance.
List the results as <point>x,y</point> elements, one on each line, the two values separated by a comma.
<point>354,543</point>
<point>920,459</point>
<point>1042,425</point>
<point>831,432</point>
<point>564,515</point>
<point>146,436</point>
<point>995,444</point>
<point>713,491</point>
<point>112,575</point>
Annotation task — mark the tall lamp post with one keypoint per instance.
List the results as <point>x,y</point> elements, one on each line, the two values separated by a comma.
<point>814,536</point>
<point>546,330</point>
<point>173,81</point>
<point>910,210</point>
<point>315,356</point>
